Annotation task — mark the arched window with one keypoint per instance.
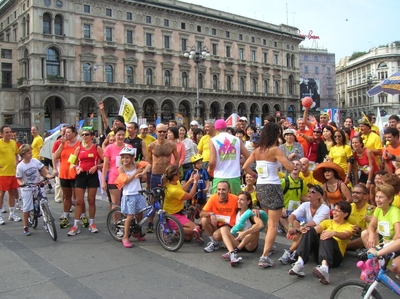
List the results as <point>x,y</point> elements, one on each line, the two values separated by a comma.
<point>265,86</point>
<point>109,74</point>
<point>241,84</point>
<point>46,23</point>
<point>184,79</point>
<point>254,85</point>
<point>149,77</point>
<point>276,89</point>
<point>290,85</point>
<point>200,80</point>
<point>58,25</point>
<point>167,78</point>
<point>228,83</point>
<point>292,60</point>
<point>288,60</point>
<point>215,82</point>
<point>87,72</point>
<point>129,75</point>
<point>53,62</point>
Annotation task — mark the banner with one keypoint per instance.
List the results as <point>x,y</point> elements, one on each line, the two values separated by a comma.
<point>127,111</point>
<point>232,120</point>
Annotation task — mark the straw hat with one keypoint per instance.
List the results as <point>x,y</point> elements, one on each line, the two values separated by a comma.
<point>318,172</point>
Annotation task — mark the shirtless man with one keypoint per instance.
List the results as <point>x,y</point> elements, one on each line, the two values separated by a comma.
<point>159,156</point>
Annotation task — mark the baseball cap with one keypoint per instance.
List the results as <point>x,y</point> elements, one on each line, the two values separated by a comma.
<point>244,118</point>
<point>143,126</point>
<point>194,123</point>
<point>120,118</point>
<point>316,188</point>
<point>220,124</point>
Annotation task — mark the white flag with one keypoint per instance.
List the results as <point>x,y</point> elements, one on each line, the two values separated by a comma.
<point>127,111</point>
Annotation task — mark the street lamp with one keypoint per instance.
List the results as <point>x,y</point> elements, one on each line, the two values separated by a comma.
<point>369,84</point>
<point>197,55</point>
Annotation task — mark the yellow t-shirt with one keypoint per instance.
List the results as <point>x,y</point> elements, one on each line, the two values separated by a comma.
<point>340,154</point>
<point>173,198</point>
<point>8,154</point>
<point>253,196</point>
<point>37,144</point>
<point>148,139</point>
<point>396,201</point>
<point>204,146</point>
<point>357,217</point>
<point>309,179</point>
<point>331,225</point>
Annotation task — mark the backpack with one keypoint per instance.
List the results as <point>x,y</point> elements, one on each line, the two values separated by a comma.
<point>287,184</point>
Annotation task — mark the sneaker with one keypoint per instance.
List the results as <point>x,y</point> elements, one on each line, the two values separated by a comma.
<point>26,231</point>
<point>211,246</point>
<point>293,257</point>
<point>85,222</point>
<point>58,200</point>
<point>14,217</point>
<point>285,258</point>
<point>150,228</point>
<point>226,256</point>
<point>1,221</point>
<point>3,210</point>
<point>93,228</point>
<point>235,259</point>
<point>64,223</point>
<point>197,235</point>
<point>273,250</point>
<point>297,269</point>
<point>62,216</point>
<point>74,231</point>
<point>320,273</point>
<point>265,262</point>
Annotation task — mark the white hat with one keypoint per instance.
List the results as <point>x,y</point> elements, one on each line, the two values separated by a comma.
<point>194,123</point>
<point>289,131</point>
<point>143,126</point>
<point>243,118</point>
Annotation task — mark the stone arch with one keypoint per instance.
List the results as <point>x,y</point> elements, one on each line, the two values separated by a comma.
<point>167,110</point>
<point>229,108</point>
<point>215,109</point>
<point>149,110</point>
<point>254,113</point>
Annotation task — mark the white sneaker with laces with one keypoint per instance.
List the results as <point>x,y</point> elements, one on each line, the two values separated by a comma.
<point>297,269</point>
<point>1,221</point>
<point>211,246</point>
<point>235,259</point>
<point>322,274</point>
<point>14,217</point>
<point>284,259</point>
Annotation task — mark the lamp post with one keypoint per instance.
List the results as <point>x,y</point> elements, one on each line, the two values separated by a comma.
<point>197,55</point>
<point>369,84</point>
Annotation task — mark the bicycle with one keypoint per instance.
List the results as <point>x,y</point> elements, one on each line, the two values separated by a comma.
<point>169,231</point>
<point>41,207</point>
<point>361,289</point>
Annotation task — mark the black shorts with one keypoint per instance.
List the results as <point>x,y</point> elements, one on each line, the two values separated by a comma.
<point>86,180</point>
<point>67,183</point>
<point>112,187</point>
<point>245,250</point>
<point>47,162</point>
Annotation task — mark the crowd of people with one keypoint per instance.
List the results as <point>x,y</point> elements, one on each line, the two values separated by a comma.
<point>327,187</point>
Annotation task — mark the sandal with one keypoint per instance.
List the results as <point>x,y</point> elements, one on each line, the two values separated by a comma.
<point>127,244</point>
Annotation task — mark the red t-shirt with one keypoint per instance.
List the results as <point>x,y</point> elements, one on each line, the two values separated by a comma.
<point>88,158</point>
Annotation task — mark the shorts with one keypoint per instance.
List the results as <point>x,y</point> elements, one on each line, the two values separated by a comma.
<point>245,250</point>
<point>156,181</point>
<point>8,183</point>
<point>133,204</point>
<point>270,196</point>
<point>364,178</point>
<point>67,183</point>
<point>27,199</point>
<point>47,162</point>
<point>86,180</point>
<point>112,187</point>
<point>181,218</point>
<point>234,184</point>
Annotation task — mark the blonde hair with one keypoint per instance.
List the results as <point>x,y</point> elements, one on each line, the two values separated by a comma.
<point>386,189</point>
<point>25,148</point>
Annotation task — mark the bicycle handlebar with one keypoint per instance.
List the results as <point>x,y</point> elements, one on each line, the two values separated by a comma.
<point>37,184</point>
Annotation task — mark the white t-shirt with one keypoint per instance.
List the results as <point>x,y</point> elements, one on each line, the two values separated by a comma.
<point>304,211</point>
<point>133,187</point>
<point>29,172</point>
<point>228,156</point>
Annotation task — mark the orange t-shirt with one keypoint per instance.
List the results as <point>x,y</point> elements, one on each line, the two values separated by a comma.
<point>302,141</point>
<point>393,165</point>
<point>67,172</point>
<point>225,212</point>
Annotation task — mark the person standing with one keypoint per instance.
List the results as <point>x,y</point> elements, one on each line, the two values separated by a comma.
<point>269,158</point>
<point>37,142</point>
<point>204,144</point>
<point>145,136</point>
<point>226,152</point>
<point>133,139</point>
<point>58,197</point>
<point>8,164</point>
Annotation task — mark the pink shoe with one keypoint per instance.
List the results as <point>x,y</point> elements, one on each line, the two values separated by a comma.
<point>139,237</point>
<point>127,244</point>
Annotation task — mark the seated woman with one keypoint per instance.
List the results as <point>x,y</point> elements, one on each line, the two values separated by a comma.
<point>385,223</point>
<point>326,243</point>
<point>332,178</point>
<point>244,235</point>
<point>251,188</point>
<point>176,195</point>
<point>311,213</point>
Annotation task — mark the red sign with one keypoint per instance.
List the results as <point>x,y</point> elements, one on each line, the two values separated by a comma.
<point>309,35</point>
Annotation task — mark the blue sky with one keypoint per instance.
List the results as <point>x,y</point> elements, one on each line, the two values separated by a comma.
<point>344,26</point>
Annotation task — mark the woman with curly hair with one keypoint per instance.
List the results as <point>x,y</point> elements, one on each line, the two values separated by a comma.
<point>269,158</point>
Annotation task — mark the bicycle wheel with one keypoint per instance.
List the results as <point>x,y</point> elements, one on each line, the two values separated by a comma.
<point>32,219</point>
<point>169,232</point>
<point>353,289</point>
<point>115,224</point>
<point>49,222</point>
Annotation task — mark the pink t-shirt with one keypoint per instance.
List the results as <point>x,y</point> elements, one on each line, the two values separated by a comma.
<point>112,152</point>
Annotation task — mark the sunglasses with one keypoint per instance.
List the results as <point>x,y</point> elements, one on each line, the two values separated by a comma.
<point>162,132</point>
<point>312,191</point>
<point>85,134</point>
<point>338,136</point>
<point>317,131</point>
<point>358,192</point>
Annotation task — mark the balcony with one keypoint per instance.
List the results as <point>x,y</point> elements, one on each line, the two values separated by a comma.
<point>110,45</point>
<point>242,62</point>
<point>55,80</point>
<point>88,42</point>
<point>130,47</point>
<point>215,58</point>
<point>150,50</point>
<point>167,52</point>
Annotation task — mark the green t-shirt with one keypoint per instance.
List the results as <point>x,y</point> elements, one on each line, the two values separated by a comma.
<point>293,195</point>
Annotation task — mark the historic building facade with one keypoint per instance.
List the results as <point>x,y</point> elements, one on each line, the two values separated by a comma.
<point>64,57</point>
<point>354,77</point>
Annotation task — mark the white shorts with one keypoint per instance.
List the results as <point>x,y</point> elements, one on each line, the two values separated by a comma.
<point>27,199</point>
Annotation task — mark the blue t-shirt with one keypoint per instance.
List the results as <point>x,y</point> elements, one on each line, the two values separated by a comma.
<point>201,184</point>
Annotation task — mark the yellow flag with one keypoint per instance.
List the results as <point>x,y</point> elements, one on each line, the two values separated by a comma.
<point>127,111</point>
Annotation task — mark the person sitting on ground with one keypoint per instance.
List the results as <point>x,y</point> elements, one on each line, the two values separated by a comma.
<point>358,217</point>
<point>326,243</point>
<point>377,181</point>
<point>244,235</point>
<point>394,181</point>
<point>385,223</point>
<point>219,210</point>
<point>310,213</point>
<point>251,188</point>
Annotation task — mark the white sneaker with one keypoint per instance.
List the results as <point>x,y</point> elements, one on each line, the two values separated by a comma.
<point>211,246</point>
<point>3,210</point>
<point>297,269</point>
<point>14,217</point>
<point>1,221</point>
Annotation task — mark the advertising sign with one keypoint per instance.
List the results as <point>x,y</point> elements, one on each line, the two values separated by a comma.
<point>310,87</point>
